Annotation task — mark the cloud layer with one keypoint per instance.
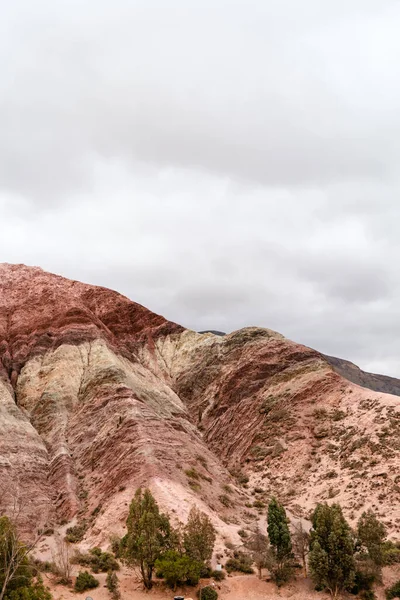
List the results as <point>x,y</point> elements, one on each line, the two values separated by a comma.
<point>223,163</point>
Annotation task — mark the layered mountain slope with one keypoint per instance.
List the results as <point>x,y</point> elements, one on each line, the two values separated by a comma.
<point>99,395</point>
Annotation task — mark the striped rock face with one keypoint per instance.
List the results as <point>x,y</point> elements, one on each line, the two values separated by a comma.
<point>98,396</point>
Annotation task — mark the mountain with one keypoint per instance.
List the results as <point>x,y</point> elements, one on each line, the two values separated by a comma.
<point>372,381</point>
<point>98,395</point>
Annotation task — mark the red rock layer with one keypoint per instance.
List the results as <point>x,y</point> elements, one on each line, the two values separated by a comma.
<point>40,311</point>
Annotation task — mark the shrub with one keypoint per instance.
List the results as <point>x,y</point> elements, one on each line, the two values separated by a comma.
<point>192,473</point>
<point>115,542</point>
<point>177,569</point>
<point>225,500</point>
<point>367,595</point>
<point>35,591</point>
<point>76,533</point>
<point>240,562</point>
<point>363,581</point>
<point>218,575</point>
<point>112,584</point>
<point>394,591</point>
<point>97,560</point>
<point>390,553</point>
<point>85,581</point>
<point>207,593</point>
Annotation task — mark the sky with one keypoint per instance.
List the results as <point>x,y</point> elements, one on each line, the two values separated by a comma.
<point>225,163</point>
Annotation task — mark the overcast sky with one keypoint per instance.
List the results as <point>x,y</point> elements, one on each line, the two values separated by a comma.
<point>225,163</point>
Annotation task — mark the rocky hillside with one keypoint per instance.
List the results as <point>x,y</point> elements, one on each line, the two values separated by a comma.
<point>98,395</point>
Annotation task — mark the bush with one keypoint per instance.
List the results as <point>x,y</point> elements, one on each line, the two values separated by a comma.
<point>177,569</point>
<point>76,533</point>
<point>85,581</point>
<point>97,560</point>
<point>112,584</point>
<point>116,546</point>
<point>207,593</point>
<point>394,591</point>
<point>240,562</point>
<point>367,595</point>
<point>225,500</point>
<point>36,591</point>
<point>218,575</point>
<point>363,582</point>
<point>390,553</point>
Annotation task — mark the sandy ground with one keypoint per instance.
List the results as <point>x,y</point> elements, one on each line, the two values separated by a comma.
<point>239,587</point>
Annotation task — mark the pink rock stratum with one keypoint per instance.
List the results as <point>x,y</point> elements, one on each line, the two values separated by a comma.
<point>98,395</point>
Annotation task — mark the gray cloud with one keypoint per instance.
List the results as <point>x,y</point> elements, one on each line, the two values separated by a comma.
<point>223,163</point>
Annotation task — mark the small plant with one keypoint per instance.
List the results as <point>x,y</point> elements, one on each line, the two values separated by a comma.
<point>207,593</point>
<point>225,500</point>
<point>192,473</point>
<point>85,581</point>
<point>243,533</point>
<point>242,479</point>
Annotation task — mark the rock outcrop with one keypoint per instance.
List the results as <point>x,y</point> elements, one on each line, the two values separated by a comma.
<point>98,395</point>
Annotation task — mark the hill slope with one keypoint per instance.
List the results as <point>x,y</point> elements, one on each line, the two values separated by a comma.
<point>98,395</point>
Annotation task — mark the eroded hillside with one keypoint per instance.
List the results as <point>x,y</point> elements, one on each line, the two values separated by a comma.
<point>98,396</point>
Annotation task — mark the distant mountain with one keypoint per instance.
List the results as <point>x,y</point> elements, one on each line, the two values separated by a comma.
<point>213,331</point>
<point>378,383</point>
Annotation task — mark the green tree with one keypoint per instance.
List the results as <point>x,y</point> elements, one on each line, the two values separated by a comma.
<point>331,558</point>
<point>149,535</point>
<point>199,536</point>
<point>371,534</point>
<point>177,569</point>
<point>280,556</point>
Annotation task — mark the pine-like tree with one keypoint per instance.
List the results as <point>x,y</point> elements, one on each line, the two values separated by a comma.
<point>149,535</point>
<point>331,558</point>
<point>280,555</point>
